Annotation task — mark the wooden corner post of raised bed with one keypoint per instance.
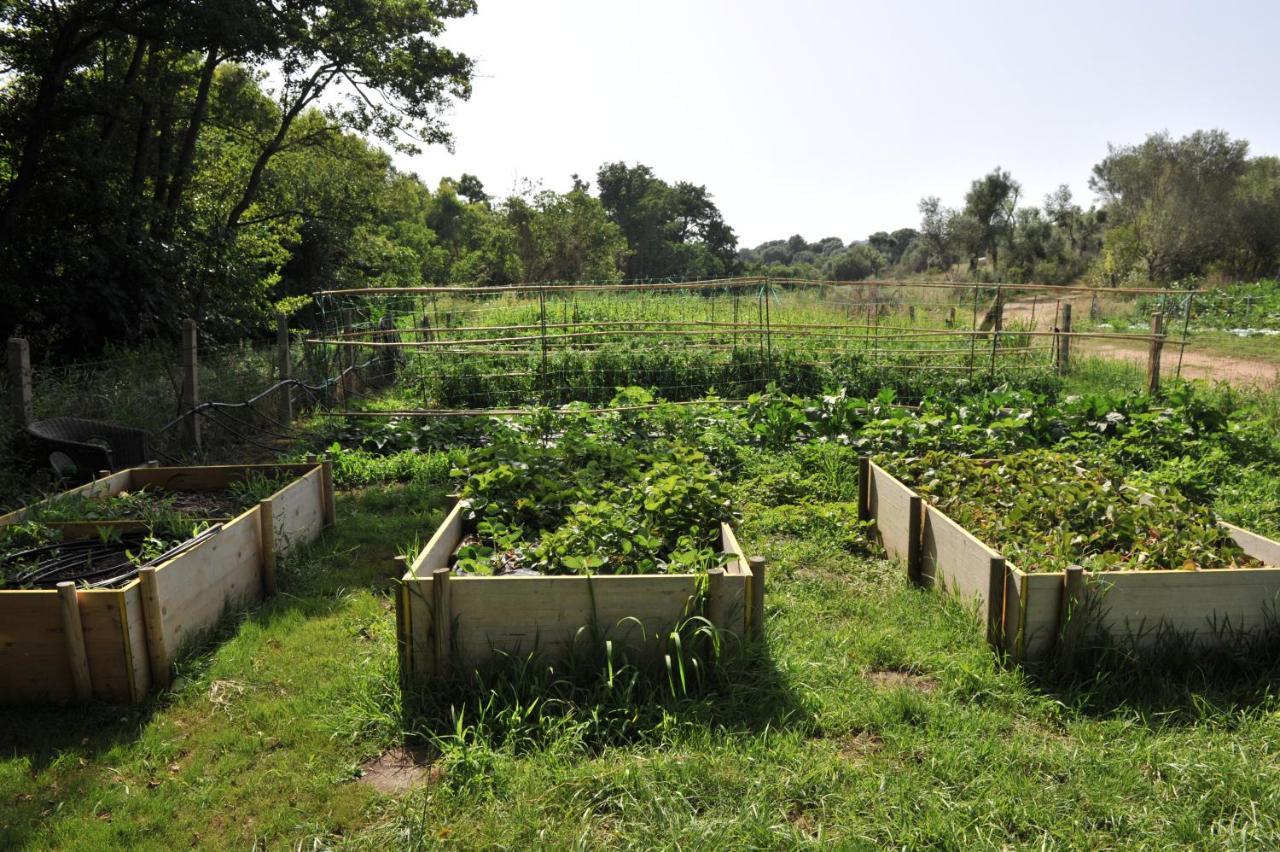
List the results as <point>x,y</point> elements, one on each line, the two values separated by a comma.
<point>756,622</point>
<point>73,631</point>
<point>330,502</point>
<point>441,617</point>
<point>153,616</point>
<point>267,546</point>
<point>864,488</point>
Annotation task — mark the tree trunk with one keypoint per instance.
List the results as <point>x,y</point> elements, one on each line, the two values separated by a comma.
<point>186,155</point>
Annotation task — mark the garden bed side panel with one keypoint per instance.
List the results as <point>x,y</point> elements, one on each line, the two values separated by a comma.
<point>116,643</point>
<point>196,588</point>
<point>107,486</point>
<point>297,511</point>
<point>895,508</point>
<point>959,564</point>
<point>34,667</point>
<point>1205,607</point>
<point>551,615</point>
<point>211,476</point>
<point>1259,547</point>
<point>414,609</point>
<point>1032,611</point>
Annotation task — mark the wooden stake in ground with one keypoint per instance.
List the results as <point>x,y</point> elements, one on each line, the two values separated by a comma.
<point>286,369</point>
<point>1153,357</point>
<point>190,385</point>
<point>21,399</point>
<point>1064,340</point>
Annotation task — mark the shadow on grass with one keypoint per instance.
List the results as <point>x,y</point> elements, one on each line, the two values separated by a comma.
<point>1169,678</point>
<point>533,702</point>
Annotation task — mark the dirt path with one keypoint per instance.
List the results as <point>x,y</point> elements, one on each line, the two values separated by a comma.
<point>1197,362</point>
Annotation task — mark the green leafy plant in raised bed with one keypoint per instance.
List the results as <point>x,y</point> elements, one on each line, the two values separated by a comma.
<point>1045,512</point>
<point>582,503</point>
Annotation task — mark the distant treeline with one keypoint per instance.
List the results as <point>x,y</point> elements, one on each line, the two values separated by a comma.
<point>1170,208</point>
<point>161,160</point>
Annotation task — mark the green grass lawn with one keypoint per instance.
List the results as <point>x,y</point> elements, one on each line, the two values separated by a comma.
<point>874,715</point>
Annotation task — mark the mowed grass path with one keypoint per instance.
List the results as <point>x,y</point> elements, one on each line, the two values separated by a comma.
<point>875,716</point>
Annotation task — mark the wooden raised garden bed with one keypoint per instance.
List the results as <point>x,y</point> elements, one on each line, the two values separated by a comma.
<point>69,643</point>
<point>445,620</point>
<point>1025,612</point>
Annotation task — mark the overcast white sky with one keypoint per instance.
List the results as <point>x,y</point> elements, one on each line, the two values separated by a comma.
<point>834,118</point>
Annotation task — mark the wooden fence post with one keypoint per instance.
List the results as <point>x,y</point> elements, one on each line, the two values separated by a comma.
<point>1153,357</point>
<point>21,399</point>
<point>191,385</point>
<point>286,370</point>
<point>73,631</point>
<point>1064,340</point>
<point>757,565</point>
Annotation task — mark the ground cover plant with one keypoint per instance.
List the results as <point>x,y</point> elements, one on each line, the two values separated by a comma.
<point>1044,511</point>
<point>572,503</point>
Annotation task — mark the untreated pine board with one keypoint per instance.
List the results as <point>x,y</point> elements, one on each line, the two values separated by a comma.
<point>418,597</point>
<point>1134,606</point>
<point>209,477</point>
<point>107,629</point>
<point>218,575</point>
<point>297,511</point>
<point>961,565</point>
<point>896,511</point>
<point>108,486</point>
<point>442,543</point>
<point>33,656</point>
<point>1032,606</point>
<point>1259,547</point>
<point>550,614</point>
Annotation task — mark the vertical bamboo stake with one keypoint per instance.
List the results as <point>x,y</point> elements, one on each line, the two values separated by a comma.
<point>1153,356</point>
<point>973,336</point>
<point>153,618</point>
<point>21,399</point>
<point>286,369</point>
<point>73,632</point>
<point>756,621</point>
<point>1064,340</point>
<point>267,542</point>
<point>347,361</point>
<point>442,616</point>
<point>191,384</point>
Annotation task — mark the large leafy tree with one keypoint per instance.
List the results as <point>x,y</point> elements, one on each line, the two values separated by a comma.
<point>1173,194</point>
<point>671,230</point>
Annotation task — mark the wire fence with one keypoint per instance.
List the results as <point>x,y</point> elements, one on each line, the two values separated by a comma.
<point>475,348</point>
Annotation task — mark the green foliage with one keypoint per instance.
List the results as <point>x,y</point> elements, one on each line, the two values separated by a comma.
<point>1043,511</point>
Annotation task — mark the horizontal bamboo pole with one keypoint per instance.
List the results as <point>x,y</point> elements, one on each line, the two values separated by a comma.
<point>728,283</point>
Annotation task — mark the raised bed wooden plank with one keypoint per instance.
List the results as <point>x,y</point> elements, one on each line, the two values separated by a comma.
<point>418,634</point>
<point>297,511</point>
<point>896,511</point>
<point>107,486</point>
<point>110,620</point>
<point>959,564</point>
<point>198,587</point>
<point>1032,607</point>
<point>442,543</point>
<point>1134,606</point>
<point>33,650</point>
<point>209,477</point>
<point>550,614</point>
<point>1259,547</point>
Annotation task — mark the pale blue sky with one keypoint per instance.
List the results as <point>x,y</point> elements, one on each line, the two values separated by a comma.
<point>833,119</point>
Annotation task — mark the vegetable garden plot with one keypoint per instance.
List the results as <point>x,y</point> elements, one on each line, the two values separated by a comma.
<point>448,620</point>
<point>115,642</point>
<point>1026,609</point>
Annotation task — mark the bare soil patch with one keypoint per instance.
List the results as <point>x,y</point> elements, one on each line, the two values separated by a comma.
<point>398,771</point>
<point>895,678</point>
